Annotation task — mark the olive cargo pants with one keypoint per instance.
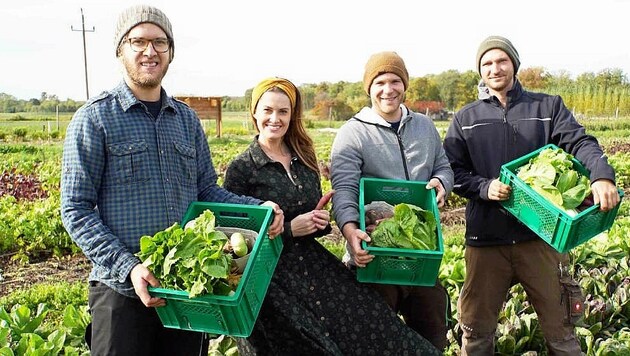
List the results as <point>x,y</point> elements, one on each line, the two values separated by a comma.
<point>491,271</point>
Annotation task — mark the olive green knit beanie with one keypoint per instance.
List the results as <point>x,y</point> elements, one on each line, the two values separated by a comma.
<point>384,62</point>
<point>501,43</point>
<point>135,15</point>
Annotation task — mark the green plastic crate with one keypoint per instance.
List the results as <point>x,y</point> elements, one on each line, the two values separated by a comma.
<point>551,223</point>
<point>398,265</point>
<point>236,314</point>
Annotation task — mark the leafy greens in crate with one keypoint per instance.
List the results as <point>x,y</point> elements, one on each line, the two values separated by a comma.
<point>551,174</point>
<point>410,227</point>
<point>191,259</point>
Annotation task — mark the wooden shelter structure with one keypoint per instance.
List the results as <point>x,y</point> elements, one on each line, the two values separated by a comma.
<point>206,107</point>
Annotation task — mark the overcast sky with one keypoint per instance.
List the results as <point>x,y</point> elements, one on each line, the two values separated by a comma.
<point>225,47</point>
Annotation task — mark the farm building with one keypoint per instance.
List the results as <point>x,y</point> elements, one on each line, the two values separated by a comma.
<point>206,107</point>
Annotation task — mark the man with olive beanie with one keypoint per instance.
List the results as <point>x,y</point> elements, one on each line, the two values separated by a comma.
<point>134,158</point>
<point>506,123</point>
<point>387,140</point>
<point>498,42</point>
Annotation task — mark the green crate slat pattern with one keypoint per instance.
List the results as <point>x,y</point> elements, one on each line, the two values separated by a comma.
<point>233,315</point>
<point>549,222</point>
<point>397,265</point>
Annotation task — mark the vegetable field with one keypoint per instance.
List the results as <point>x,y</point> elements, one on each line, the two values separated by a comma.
<point>43,289</point>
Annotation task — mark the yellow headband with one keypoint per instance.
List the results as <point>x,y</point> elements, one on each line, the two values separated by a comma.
<point>283,84</point>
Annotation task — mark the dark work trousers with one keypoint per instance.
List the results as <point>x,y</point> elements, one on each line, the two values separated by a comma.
<point>427,310</point>
<point>491,271</point>
<point>124,326</point>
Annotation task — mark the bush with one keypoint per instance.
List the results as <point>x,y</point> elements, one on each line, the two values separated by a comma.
<point>20,133</point>
<point>455,201</point>
<point>39,135</point>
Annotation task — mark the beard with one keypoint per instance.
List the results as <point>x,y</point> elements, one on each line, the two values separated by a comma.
<point>141,79</point>
<point>500,85</point>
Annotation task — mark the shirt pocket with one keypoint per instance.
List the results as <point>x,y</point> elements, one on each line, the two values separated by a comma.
<point>186,157</point>
<point>129,161</point>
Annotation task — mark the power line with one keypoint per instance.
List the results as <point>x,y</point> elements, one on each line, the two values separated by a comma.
<point>83,31</point>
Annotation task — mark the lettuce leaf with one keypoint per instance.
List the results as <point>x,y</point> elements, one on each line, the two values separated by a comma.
<point>551,174</point>
<point>543,172</point>
<point>567,180</point>
<point>190,258</point>
<point>411,227</point>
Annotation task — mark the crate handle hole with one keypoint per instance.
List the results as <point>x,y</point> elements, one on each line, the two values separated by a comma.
<point>234,214</point>
<point>395,189</point>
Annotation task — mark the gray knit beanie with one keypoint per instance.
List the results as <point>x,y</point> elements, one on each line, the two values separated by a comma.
<point>501,43</point>
<point>135,15</point>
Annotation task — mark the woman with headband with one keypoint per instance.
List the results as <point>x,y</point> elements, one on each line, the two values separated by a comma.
<point>314,304</point>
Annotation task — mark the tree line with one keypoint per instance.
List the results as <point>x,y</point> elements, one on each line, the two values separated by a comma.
<point>46,103</point>
<point>606,93</point>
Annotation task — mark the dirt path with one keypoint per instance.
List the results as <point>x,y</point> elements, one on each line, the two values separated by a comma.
<point>14,276</point>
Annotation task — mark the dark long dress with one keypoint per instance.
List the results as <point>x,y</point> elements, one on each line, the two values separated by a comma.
<point>314,304</point>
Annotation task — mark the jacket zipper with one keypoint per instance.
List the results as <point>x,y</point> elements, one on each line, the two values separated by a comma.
<point>400,145</point>
<point>507,130</point>
<point>402,154</point>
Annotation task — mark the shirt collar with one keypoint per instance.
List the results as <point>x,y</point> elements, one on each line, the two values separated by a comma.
<point>127,99</point>
<point>483,93</point>
<point>259,157</point>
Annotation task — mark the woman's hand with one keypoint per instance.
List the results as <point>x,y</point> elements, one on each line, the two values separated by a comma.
<point>308,223</point>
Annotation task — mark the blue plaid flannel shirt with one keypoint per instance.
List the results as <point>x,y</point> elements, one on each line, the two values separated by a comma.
<point>126,174</point>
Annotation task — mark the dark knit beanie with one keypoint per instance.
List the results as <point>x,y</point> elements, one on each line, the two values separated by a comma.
<point>135,15</point>
<point>501,43</point>
<point>384,62</point>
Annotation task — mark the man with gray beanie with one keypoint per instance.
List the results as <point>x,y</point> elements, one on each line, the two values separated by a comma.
<point>388,140</point>
<point>134,158</point>
<point>506,123</point>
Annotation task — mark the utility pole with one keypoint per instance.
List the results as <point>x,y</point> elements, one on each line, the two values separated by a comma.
<point>83,30</point>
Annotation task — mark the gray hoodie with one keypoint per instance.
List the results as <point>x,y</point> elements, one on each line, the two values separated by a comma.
<point>367,146</point>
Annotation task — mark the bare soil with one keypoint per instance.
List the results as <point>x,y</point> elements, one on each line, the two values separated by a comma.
<point>616,147</point>
<point>15,276</point>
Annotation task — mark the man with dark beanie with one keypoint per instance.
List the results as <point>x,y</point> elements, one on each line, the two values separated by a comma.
<point>506,123</point>
<point>134,158</point>
<point>388,140</point>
